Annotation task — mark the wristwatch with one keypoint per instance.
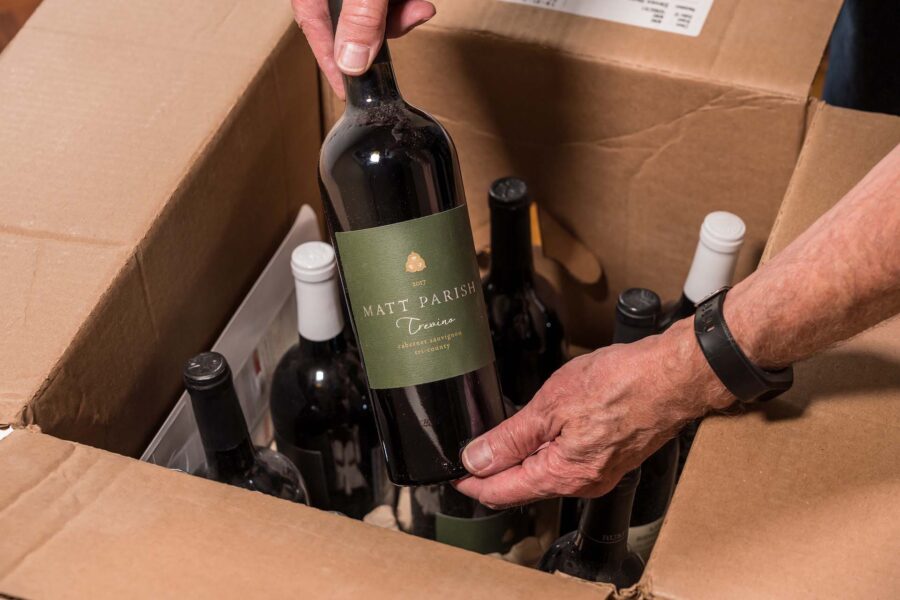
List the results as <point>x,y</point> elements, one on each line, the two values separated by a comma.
<point>744,379</point>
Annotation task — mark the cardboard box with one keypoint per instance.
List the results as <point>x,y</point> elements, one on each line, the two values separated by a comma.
<point>153,155</point>
<point>794,499</point>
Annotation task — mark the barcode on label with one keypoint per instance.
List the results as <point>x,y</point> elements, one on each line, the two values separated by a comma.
<point>685,17</point>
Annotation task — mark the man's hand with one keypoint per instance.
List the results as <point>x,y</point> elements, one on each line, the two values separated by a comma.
<point>595,419</point>
<point>602,414</point>
<point>360,32</point>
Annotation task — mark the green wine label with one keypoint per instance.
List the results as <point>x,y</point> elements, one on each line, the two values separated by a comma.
<point>494,533</point>
<point>416,299</point>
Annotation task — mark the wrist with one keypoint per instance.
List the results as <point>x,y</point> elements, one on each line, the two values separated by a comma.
<point>688,373</point>
<point>747,329</point>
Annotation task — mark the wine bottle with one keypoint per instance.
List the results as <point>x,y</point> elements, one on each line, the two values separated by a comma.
<point>322,416</point>
<point>721,238</point>
<point>416,510</point>
<point>570,508</point>
<point>637,316</point>
<point>527,334</point>
<point>395,207</point>
<point>230,456</point>
<point>598,549</point>
<point>465,523</point>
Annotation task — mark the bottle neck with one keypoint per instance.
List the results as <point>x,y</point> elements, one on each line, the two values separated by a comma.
<point>320,315</point>
<point>603,529</point>
<point>231,465</point>
<point>375,87</point>
<point>710,270</point>
<point>512,264</point>
<point>223,431</point>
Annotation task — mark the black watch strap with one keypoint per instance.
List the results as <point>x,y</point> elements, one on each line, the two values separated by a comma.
<point>742,378</point>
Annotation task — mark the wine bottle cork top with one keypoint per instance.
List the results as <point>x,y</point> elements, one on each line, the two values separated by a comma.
<point>723,232</point>
<point>638,307</point>
<point>313,262</point>
<point>509,192</point>
<point>205,370</point>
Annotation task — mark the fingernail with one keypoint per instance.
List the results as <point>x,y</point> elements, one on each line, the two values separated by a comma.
<point>353,58</point>
<point>477,456</point>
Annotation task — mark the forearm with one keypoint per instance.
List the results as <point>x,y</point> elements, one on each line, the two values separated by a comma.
<point>837,279</point>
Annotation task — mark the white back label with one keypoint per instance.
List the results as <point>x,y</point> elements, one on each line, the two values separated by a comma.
<point>685,17</point>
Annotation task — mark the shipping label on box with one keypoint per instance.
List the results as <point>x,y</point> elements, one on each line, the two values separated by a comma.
<point>685,17</point>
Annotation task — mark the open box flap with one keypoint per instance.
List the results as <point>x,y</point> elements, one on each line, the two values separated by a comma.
<point>153,150</point>
<point>797,498</point>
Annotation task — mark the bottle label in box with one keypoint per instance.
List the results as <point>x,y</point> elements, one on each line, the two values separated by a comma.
<point>642,538</point>
<point>494,533</point>
<point>415,294</point>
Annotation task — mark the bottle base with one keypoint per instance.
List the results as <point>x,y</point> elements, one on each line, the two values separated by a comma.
<point>405,479</point>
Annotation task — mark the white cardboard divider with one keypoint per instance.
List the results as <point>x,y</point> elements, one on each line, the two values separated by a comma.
<point>262,329</point>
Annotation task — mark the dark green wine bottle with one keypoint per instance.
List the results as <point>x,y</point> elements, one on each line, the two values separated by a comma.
<point>638,312</point>
<point>230,455</point>
<point>395,207</point>
<point>598,549</point>
<point>527,334</point>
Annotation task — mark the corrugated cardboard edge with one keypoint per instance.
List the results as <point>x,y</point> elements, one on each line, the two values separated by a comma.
<point>105,526</point>
<point>824,120</point>
<point>814,109</point>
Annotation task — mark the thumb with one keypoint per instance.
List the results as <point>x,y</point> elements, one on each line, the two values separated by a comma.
<point>509,443</point>
<point>359,34</point>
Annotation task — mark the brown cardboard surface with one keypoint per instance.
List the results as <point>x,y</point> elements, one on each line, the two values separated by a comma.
<point>798,497</point>
<point>105,526</point>
<point>153,154</point>
<point>762,44</point>
<point>627,136</point>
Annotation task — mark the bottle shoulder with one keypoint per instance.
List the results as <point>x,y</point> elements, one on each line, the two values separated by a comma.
<point>558,553</point>
<point>303,382</point>
<point>274,474</point>
<point>376,171</point>
<point>394,130</point>
<point>520,311</point>
<point>524,298</point>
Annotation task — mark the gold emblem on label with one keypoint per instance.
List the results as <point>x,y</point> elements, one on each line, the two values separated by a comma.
<point>415,263</point>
